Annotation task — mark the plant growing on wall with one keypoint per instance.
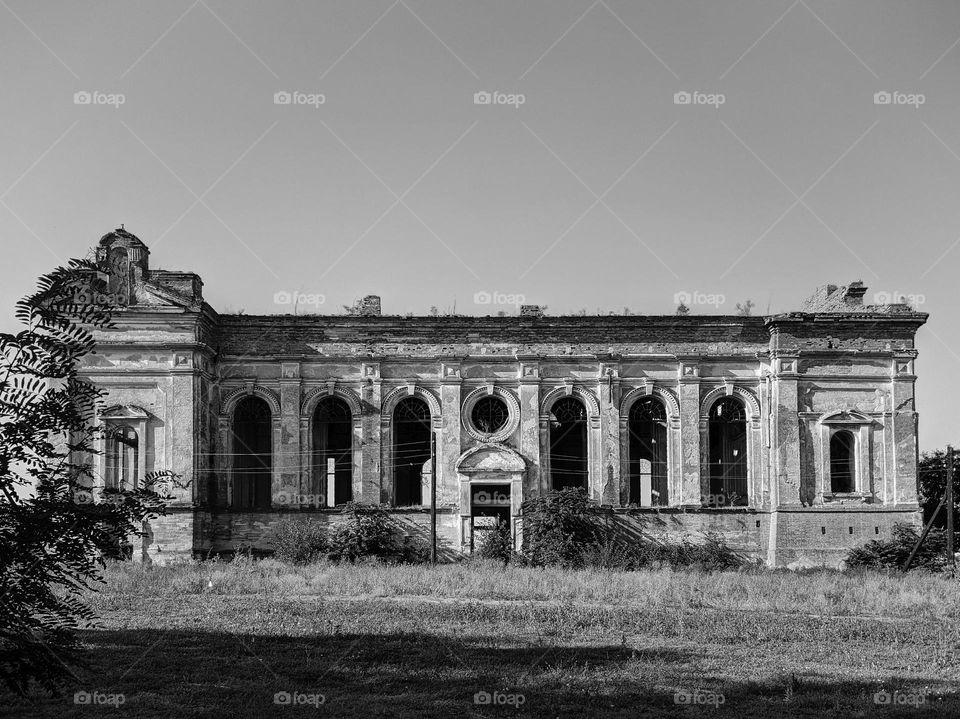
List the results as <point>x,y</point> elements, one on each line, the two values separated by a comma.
<point>55,532</point>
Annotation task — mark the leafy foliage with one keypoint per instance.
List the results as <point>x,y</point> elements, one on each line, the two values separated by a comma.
<point>933,482</point>
<point>562,529</point>
<point>300,541</point>
<point>55,529</point>
<point>893,553</point>
<point>557,526</point>
<point>497,544</point>
<point>369,531</point>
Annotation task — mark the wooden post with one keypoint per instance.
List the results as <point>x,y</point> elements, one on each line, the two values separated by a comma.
<point>433,497</point>
<point>951,558</point>
<point>331,482</point>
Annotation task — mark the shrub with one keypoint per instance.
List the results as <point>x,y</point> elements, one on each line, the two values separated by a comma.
<point>557,526</point>
<point>893,553</point>
<point>368,531</point>
<point>497,544</point>
<point>563,529</point>
<point>300,541</point>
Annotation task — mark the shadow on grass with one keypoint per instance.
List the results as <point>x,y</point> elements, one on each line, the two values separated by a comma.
<point>420,674</point>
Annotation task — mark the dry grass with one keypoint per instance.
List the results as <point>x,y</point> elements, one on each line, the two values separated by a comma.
<point>820,592</point>
<point>220,639</point>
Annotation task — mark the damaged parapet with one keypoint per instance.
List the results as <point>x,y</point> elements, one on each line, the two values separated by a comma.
<point>531,311</point>
<point>125,262</point>
<point>849,298</point>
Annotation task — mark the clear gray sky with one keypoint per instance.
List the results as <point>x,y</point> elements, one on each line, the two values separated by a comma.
<point>600,190</point>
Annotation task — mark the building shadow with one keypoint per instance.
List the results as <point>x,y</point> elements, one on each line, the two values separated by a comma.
<point>196,673</point>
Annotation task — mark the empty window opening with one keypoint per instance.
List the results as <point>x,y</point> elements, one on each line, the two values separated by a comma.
<point>411,450</point>
<point>568,444</point>
<point>727,428</point>
<point>647,433</point>
<point>253,454</point>
<point>333,450</point>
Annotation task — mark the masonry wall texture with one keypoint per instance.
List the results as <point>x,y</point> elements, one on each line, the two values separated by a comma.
<point>176,370</point>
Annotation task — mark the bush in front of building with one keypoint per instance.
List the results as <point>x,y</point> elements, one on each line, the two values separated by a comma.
<point>300,541</point>
<point>557,527</point>
<point>564,529</point>
<point>893,553</point>
<point>497,544</point>
<point>367,531</point>
<point>364,532</point>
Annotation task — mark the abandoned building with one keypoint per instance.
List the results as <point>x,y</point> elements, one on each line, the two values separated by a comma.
<point>792,436</point>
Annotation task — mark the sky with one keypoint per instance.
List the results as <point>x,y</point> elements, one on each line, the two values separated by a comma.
<point>477,155</point>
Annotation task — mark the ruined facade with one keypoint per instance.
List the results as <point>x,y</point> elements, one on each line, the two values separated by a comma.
<point>793,436</point>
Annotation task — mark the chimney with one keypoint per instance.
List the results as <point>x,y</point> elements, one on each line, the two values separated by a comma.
<point>370,306</point>
<point>531,311</point>
<point>854,294</point>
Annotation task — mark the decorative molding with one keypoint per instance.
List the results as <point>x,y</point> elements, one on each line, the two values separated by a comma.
<point>312,398</point>
<point>725,390</point>
<point>409,390</point>
<point>229,401</point>
<point>589,399</point>
<point>124,411</point>
<point>670,401</point>
<point>845,417</point>
<point>513,411</point>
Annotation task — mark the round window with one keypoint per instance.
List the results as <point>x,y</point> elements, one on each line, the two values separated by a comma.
<point>490,414</point>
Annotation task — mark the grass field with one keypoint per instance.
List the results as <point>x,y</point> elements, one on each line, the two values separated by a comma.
<point>223,639</point>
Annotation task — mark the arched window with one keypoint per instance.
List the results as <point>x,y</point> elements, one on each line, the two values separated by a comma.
<point>728,453</point>
<point>411,450</point>
<point>568,444</point>
<point>647,432</point>
<point>843,467</point>
<point>252,454</point>
<point>123,448</point>
<point>333,448</point>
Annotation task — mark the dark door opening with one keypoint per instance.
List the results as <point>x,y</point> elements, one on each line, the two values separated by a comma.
<point>489,510</point>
